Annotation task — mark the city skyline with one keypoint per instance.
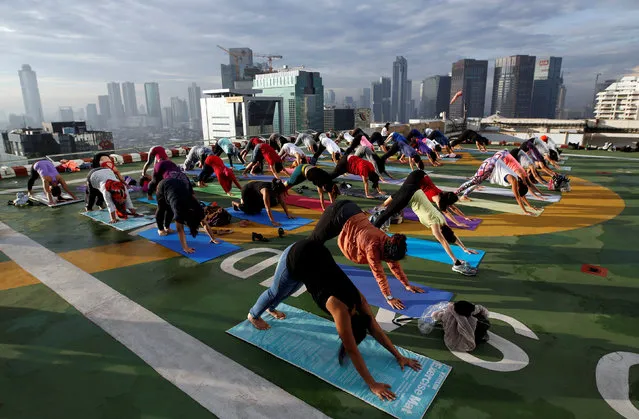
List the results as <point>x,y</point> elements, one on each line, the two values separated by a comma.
<point>184,51</point>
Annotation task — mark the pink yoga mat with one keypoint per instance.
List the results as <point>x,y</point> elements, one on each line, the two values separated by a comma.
<point>306,202</point>
<point>472,224</point>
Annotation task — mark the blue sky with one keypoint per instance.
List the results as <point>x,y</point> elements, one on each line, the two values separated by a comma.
<point>77,46</point>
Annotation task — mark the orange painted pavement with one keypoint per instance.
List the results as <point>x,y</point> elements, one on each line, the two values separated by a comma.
<point>13,276</point>
<point>111,256</point>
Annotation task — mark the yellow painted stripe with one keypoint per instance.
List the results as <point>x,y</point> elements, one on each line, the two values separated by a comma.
<point>13,276</point>
<point>586,205</point>
<point>117,255</point>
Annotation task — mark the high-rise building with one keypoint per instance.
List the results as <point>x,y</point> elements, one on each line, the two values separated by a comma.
<point>130,102</point>
<point>339,119</point>
<point>239,60</point>
<point>561,102</point>
<point>152,93</point>
<point>65,113</point>
<point>115,102</point>
<point>376,99</point>
<point>31,94</point>
<point>620,100</point>
<point>386,98</point>
<point>469,77</point>
<point>349,102</point>
<point>303,94</point>
<point>408,88</point>
<point>195,109</point>
<point>142,110</point>
<point>179,110</point>
<point>546,85</point>
<point>329,97</point>
<point>167,117</point>
<point>93,119</point>
<point>603,85</point>
<point>105,108</point>
<point>434,96</point>
<point>513,86</point>
<point>399,93</point>
<point>365,99</point>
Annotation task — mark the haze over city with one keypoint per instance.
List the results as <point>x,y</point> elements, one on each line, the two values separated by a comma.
<point>76,48</point>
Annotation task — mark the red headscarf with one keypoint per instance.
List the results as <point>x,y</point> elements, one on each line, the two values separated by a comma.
<point>118,194</point>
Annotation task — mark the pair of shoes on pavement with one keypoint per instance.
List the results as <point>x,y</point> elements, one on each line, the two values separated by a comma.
<point>465,269</point>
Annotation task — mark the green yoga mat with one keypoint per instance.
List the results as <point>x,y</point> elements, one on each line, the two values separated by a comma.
<point>495,206</point>
<point>216,189</point>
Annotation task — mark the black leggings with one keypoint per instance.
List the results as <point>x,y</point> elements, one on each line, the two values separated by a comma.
<point>333,219</point>
<point>341,167</point>
<point>93,196</point>
<point>402,197</point>
<point>377,138</point>
<point>32,179</point>
<point>218,152</point>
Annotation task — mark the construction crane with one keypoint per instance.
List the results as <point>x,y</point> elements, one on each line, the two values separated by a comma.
<point>269,58</point>
<point>236,59</point>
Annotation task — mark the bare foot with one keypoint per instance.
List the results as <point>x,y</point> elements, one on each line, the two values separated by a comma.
<point>464,198</point>
<point>258,323</point>
<point>277,314</point>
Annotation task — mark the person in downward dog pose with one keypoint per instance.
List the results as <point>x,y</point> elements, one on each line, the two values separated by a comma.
<point>264,152</point>
<point>225,176</point>
<point>320,178</point>
<point>480,141</point>
<point>363,243</point>
<point>308,141</point>
<point>326,143</point>
<point>335,294</point>
<point>176,203</point>
<point>225,145</point>
<point>165,169</point>
<point>259,195</point>
<point>290,149</point>
<point>52,181</point>
<point>195,157</point>
<point>156,153</point>
<point>431,218</point>
<point>103,186</point>
<point>359,167</point>
<point>496,171</point>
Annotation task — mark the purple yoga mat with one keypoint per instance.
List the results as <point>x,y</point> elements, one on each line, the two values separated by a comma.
<point>472,224</point>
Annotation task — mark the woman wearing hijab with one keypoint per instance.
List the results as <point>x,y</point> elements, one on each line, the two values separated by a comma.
<point>103,186</point>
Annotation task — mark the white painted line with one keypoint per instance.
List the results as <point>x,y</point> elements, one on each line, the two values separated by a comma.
<point>219,384</point>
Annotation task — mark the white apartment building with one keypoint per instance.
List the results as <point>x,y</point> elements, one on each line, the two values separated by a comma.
<point>620,100</point>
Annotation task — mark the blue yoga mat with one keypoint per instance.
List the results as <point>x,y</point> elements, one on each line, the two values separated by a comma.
<point>415,303</point>
<point>266,178</point>
<point>311,343</point>
<point>154,202</point>
<point>426,249</point>
<point>262,218</point>
<point>195,172</point>
<point>122,225</point>
<point>204,249</point>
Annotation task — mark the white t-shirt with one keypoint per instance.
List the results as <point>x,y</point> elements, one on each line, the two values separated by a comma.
<point>306,139</point>
<point>498,176</point>
<point>292,150</point>
<point>551,144</point>
<point>384,132</point>
<point>330,145</point>
<point>541,146</point>
<point>431,143</point>
<point>524,160</point>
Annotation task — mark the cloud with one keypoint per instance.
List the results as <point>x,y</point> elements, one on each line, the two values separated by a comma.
<point>90,43</point>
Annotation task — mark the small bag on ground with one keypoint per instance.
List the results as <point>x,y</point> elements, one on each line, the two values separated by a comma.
<point>216,216</point>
